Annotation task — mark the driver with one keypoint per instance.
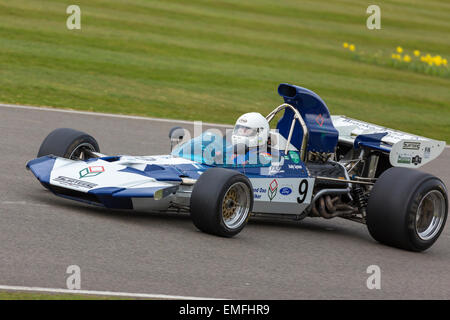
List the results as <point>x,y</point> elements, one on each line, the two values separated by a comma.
<point>252,130</point>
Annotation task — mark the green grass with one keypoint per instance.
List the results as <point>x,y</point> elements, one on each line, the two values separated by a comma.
<point>214,60</point>
<point>6,295</point>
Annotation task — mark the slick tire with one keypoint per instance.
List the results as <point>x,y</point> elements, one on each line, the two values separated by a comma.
<point>407,209</point>
<point>68,143</point>
<point>221,202</point>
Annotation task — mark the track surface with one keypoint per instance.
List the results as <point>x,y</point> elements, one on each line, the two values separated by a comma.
<point>41,235</point>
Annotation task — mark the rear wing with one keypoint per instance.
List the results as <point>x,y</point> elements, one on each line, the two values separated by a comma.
<point>405,149</point>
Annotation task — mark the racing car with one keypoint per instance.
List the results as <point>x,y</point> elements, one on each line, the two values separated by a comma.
<point>298,161</point>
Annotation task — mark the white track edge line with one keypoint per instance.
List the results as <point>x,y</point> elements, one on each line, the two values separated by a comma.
<point>103,293</point>
<point>123,116</point>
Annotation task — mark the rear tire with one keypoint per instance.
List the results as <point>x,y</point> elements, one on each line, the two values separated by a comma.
<point>407,209</point>
<point>68,143</point>
<point>221,202</point>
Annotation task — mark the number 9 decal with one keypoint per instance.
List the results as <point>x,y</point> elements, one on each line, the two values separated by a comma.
<point>302,190</point>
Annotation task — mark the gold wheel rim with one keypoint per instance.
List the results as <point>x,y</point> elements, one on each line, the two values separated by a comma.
<point>236,205</point>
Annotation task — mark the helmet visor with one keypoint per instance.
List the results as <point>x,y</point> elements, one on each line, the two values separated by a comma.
<point>244,131</point>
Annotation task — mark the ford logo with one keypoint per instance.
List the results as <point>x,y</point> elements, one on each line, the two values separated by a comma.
<point>285,191</point>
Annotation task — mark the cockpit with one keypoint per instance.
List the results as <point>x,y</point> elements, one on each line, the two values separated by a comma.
<point>305,126</point>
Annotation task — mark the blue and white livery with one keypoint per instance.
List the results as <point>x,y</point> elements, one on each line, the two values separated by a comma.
<point>315,165</point>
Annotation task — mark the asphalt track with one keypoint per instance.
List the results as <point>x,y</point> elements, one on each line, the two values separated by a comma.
<point>41,235</point>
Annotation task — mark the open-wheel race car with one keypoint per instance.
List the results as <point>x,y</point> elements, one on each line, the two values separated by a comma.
<point>310,165</point>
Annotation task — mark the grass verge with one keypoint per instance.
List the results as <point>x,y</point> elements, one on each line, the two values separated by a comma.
<point>214,60</point>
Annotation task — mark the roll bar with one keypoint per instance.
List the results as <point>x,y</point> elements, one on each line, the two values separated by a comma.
<point>299,118</point>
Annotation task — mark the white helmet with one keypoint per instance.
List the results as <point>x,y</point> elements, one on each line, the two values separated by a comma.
<point>251,129</point>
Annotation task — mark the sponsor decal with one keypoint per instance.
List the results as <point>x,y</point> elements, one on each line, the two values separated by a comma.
<point>294,166</point>
<point>273,188</point>
<point>320,120</point>
<point>243,120</point>
<point>74,182</point>
<point>285,191</point>
<point>416,160</point>
<point>258,192</point>
<point>411,145</point>
<point>404,159</point>
<point>295,157</point>
<point>427,152</point>
<point>91,171</point>
<point>275,169</point>
<point>364,126</point>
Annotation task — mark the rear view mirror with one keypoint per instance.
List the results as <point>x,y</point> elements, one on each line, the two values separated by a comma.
<point>176,135</point>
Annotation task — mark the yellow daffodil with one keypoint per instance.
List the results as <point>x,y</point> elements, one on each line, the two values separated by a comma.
<point>416,53</point>
<point>345,45</point>
<point>427,59</point>
<point>437,60</point>
<point>407,58</point>
<point>399,49</point>
<point>351,47</point>
<point>444,62</point>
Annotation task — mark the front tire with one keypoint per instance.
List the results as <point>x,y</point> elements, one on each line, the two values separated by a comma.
<point>221,202</point>
<point>68,143</point>
<point>407,209</point>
